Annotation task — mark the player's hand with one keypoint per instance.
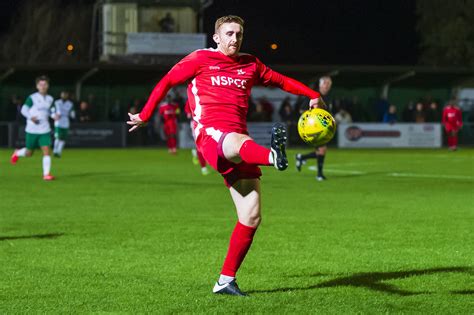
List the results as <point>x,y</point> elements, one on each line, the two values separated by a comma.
<point>56,117</point>
<point>317,103</point>
<point>34,120</point>
<point>135,121</point>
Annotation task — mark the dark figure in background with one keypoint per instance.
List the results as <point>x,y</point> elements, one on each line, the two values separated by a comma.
<point>287,115</point>
<point>408,112</point>
<point>319,154</point>
<point>259,114</point>
<point>420,114</point>
<point>381,107</point>
<point>267,108</point>
<point>115,112</point>
<point>84,113</point>
<point>167,24</point>
<point>391,116</point>
<point>14,110</point>
<point>433,114</point>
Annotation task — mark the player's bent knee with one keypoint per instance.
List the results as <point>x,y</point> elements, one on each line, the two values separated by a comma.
<point>232,144</point>
<point>251,220</point>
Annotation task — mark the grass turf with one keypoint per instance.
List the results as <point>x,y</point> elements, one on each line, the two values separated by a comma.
<point>133,230</point>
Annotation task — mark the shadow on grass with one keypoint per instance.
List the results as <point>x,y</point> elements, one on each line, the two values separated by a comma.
<point>373,281</point>
<point>34,236</point>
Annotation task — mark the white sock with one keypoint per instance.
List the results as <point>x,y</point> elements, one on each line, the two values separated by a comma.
<point>56,144</point>
<point>61,145</point>
<point>194,153</point>
<point>46,164</point>
<point>223,279</point>
<point>270,158</point>
<point>21,152</point>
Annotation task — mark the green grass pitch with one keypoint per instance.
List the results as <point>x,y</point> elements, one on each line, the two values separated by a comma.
<point>138,230</point>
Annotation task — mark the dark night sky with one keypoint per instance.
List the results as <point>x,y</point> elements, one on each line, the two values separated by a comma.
<point>314,32</point>
<point>325,32</point>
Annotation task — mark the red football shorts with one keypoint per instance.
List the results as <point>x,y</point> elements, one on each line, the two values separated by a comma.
<point>451,128</point>
<point>209,142</point>
<point>170,127</point>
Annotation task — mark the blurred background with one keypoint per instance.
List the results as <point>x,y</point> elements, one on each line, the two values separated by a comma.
<point>407,57</point>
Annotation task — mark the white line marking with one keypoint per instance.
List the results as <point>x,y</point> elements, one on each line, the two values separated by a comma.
<point>430,176</point>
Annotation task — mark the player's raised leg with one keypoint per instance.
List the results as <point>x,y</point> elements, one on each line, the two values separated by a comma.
<point>246,197</point>
<point>23,152</point>
<point>240,147</point>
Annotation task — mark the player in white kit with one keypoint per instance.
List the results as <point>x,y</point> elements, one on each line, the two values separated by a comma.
<point>37,109</point>
<point>62,111</point>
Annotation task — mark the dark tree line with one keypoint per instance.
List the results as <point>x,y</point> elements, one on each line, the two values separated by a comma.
<point>446,30</point>
<point>41,31</point>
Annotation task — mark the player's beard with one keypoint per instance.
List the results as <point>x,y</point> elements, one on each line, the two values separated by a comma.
<point>233,50</point>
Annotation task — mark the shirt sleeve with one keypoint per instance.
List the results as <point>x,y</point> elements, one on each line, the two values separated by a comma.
<point>269,77</point>
<point>443,116</point>
<point>184,70</point>
<point>29,101</point>
<point>25,111</point>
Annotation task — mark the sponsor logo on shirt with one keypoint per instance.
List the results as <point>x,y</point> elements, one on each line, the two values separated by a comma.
<point>222,80</point>
<point>240,72</point>
<point>214,68</point>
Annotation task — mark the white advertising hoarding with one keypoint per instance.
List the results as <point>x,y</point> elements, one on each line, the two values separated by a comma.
<point>164,43</point>
<point>398,135</point>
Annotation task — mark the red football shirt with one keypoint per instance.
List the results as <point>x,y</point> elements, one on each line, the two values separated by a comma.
<point>452,117</point>
<point>168,111</point>
<point>220,87</point>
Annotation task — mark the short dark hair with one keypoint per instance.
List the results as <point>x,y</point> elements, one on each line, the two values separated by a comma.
<point>228,19</point>
<point>42,78</point>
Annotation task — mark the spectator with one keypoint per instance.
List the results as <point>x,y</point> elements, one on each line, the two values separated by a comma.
<point>433,114</point>
<point>391,116</point>
<point>259,114</point>
<point>115,113</point>
<point>135,107</point>
<point>343,117</point>
<point>381,107</point>
<point>14,110</point>
<point>408,113</point>
<point>301,104</point>
<point>84,112</point>
<point>167,24</point>
<point>267,107</point>
<point>420,114</point>
<point>286,112</point>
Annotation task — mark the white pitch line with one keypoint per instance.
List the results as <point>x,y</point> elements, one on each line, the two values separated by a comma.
<point>430,176</point>
<point>331,170</point>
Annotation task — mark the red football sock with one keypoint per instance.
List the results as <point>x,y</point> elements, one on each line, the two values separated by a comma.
<point>455,141</point>
<point>240,242</point>
<point>450,141</point>
<point>253,153</point>
<point>201,159</point>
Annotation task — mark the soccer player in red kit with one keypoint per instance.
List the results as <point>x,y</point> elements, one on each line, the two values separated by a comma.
<point>168,112</point>
<point>452,121</point>
<point>218,92</point>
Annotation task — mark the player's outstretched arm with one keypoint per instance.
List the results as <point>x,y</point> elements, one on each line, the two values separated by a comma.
<point>182,71</point>
<point>290,85</point>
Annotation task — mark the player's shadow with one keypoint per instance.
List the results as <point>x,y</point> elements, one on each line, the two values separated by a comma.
<point>373,281</point>
<point>33,236</point>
